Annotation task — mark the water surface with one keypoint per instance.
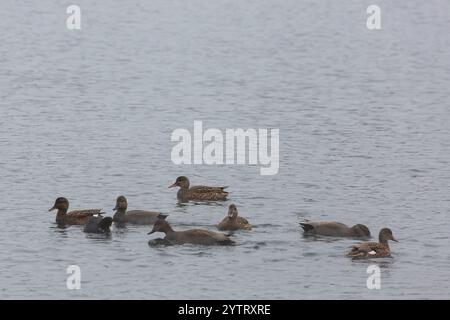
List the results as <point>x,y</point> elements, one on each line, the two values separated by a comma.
<point>364,138</point>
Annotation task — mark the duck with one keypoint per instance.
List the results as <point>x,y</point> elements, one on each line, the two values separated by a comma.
<point>202,193</point>
<point>232,222</point>
<point>334,229</point>
<point>373,249</point>
<point>192,236</point>
<point>78,217</point>
<point>134,216</point>
<point>98,224</point>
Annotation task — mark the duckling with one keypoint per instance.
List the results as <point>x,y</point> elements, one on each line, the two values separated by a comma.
<point>202,193</point>
<point>373,249</point>
<point>78,217</point>
<point>134,216</point>
<point>232,222</point>
<point>193,236</point>
<point>98,225</point>
<point>334,229</point>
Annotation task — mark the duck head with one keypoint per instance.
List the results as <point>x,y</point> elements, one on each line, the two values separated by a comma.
<point>121,204</point>
<point>182,182</point>
<point>385,235</point>
<point>105,224</point>
<point>232,212</point>
<point>161,225</point>
<point>361,230</point>
<point>60,204</point>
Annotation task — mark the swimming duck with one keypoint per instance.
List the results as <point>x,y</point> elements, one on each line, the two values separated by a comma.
<point>98,225</point>
<point>202,193</point>
<point>134,216</point>
<point>232,222</point>
<point>334,229</point>
<point>193,236</point>
<point>78,217</point>
<point>373,249</point>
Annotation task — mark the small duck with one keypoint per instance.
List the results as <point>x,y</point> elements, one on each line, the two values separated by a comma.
<point>193,236</point>
<point>201,193</point>
<point>98,225</point>
<point>232,222</point>
<point>373,249</point>
<point>334,229</point>
<point>78,217</point>
<point>134,216</point>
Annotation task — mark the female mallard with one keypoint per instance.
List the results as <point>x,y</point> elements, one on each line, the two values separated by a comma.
<point>232,222</point>
<point>134,216</point>
<point>78,217</point>
<point>373,249</point>
<point>201,193</point>
<point>193,236</point>
<point>334,229</point>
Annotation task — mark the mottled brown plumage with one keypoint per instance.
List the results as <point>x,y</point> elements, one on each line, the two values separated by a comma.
<point>77,217</point>
<point>193,236</point>
<point>134,216</point>
<point>373,249</point>
<point>233,222</point>
<point>201,193</point>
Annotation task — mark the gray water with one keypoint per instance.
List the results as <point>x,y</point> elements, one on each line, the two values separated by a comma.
<point>364,121</point>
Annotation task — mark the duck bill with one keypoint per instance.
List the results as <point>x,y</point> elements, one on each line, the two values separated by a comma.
<point>173,185</point>
<point>232,214</point>
<point>51,209</point>
<point>115,208</point>
<point>393,239</point>
<point>151,232</point>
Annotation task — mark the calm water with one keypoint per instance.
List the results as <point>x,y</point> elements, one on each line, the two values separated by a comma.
<point>364,119</point>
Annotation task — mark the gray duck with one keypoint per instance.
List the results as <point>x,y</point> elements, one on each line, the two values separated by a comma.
<point>98,225</point>
<point>193,236</point>
<point>134,216</point>
<point>334,229</point>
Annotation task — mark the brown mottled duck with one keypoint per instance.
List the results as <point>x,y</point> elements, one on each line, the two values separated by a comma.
<point>77,217</point>
<point>201,193</point>
<point>233,222</point>
<point>373,249</point>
